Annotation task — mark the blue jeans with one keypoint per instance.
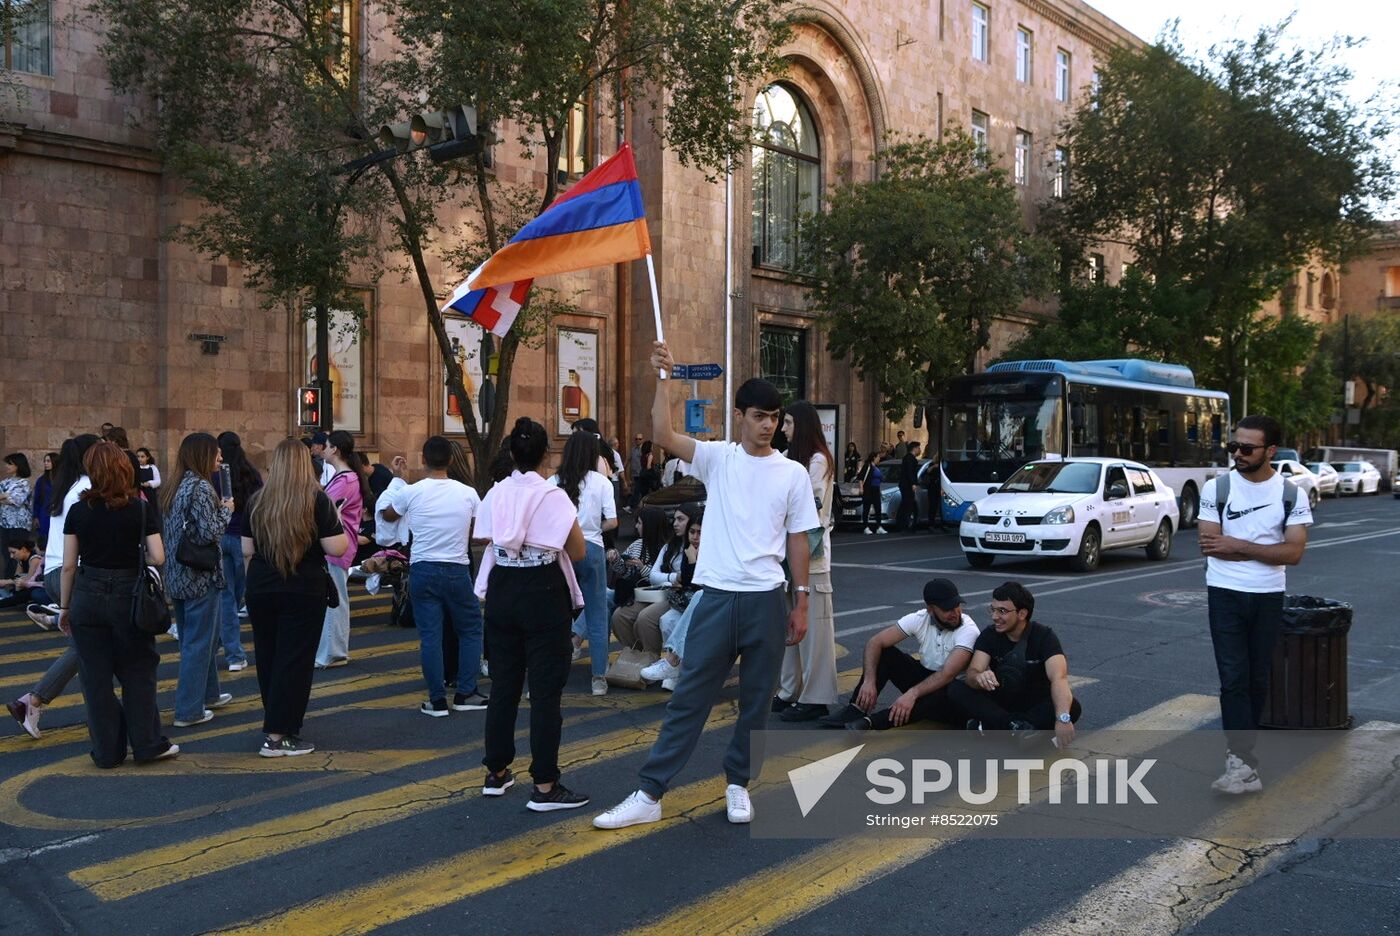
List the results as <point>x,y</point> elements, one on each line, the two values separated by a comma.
<point>592,574</point>
<point>441,592</point>
<point>1243,628</point>
<point>230,635</point>
<point>199,677</point>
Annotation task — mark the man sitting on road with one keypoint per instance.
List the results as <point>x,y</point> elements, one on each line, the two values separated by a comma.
<point>1019,678</point>
<point>945,636</point>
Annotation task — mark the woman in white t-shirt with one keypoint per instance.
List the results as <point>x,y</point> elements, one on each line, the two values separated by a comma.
<point>592,494</point>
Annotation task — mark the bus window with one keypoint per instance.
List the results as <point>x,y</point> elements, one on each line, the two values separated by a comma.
<point>1139,437</point>
<point>1159,437</point>
<point>1085,434</point>
<point>1193,429</point>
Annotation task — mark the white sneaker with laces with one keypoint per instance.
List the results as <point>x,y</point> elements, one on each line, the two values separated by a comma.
<point>737,804</point>
<point>637,809</point>
<point>882,531</point>
<point>600,686</point>
<point>31,720</point>
<point>1238,778</point>
<point>660,670</point>
<point>869,532</point>
<point>669,685</point>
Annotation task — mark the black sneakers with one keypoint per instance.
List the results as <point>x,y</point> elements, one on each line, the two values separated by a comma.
<point>286,746</point>
<point>842,718</point>
<point>802,711</point>
<point>437,708</point>
<point>497,783</point>
<point>473,702</point>
<point>559,797</point>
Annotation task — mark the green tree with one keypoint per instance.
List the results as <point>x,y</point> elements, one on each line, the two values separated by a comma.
<point>1223,177</point>
<point>909,271</point>
<point>1367,349</point>
<point>260,106</point>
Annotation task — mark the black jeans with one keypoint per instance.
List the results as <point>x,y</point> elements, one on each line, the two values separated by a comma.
<point>896,666</point>
<point>908,507</point>
<point>529,616</point>
<point>109,646</point>
<point>998,709</point>
<point>871,500</point>
<point>286,633</point>
<point>1243,629</point>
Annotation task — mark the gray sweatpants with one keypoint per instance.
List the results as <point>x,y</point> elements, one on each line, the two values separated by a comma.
<point>749,626</point>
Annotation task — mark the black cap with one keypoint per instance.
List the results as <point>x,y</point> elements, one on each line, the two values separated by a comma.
<point>942,593</point>
<point>319,438</point>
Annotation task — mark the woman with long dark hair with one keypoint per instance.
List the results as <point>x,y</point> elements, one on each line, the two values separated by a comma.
<point>852,462</point>
<point>871,498</point>
<point>652,559</point>
<point>43,498</point>
<point>292,528</point>
<point>808,681</point>
<point>347,489</point>
<point>592,496</point>
<point>195,513</point>
<point>14,505</point>
<point>246,482</point>
<point>534,534</point>
<point>105,531</point>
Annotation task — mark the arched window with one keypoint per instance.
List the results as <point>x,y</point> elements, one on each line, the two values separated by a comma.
<point>1329,291</point>
<point>786,175</point>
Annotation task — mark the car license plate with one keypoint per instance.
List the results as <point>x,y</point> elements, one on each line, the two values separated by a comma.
<point>995,537</point>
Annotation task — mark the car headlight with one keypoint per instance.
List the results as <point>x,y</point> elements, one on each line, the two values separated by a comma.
<point>1059,515</point>
<point>951,499</point>
<point>971,515</point>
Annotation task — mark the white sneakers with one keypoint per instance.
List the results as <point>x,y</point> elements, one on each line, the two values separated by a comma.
<point>737,804</point>
<point>669,685</point>
<point>637,809</point>
<point>600,685</point>
<point>660,670</point>
<point>882,531</point>
<point>1238,778</point>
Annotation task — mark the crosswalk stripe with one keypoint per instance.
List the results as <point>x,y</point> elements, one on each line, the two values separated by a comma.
<point>1176,888</point>
<point>371,604</point>
<point>796,887</point>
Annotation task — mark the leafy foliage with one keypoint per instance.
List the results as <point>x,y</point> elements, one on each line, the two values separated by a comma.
<point>1368,349</point>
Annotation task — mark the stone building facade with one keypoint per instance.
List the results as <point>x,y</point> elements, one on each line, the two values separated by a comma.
<point>103,319</point>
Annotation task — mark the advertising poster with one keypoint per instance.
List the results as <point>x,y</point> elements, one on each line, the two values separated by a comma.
<point>464,335</point>
<point>347,368</point>
<point>831,427</point>
<point>577,381</point>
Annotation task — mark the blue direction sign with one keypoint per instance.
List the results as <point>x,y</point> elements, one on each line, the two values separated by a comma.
<point>695,415</point>
<point>697,371</point>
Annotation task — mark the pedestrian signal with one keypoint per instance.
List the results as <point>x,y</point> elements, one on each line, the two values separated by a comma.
<point>309,407</point>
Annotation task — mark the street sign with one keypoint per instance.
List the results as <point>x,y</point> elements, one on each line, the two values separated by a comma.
<point>695,415</point>
<point>697,371</point>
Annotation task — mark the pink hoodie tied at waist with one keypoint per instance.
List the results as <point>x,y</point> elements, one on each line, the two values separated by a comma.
<point>522,513</point>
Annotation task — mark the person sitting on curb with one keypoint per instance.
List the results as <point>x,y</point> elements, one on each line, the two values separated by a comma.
<point>1018,680</point>
<point>945,636</point>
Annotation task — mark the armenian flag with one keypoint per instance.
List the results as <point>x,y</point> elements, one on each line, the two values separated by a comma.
<point>598,221</point>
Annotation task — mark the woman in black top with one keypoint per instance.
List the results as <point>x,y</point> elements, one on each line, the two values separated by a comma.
<point>852,462</point>
<point>104,531</point>
<point>292,527</point>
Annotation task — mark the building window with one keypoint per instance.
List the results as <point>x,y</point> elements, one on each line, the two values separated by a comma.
<point>26,39</point>
<point>1094,83</point>
<point>980,16</point>
<point>1023,157</point>
<point>1329,292</point>
<point>573,148</point>
<point>1392,282</point>
<point>786,175</point>
<point>782,360</point>
<point>1061,185</point>
<point>1062,75</point>
<point>1097,270</point>
<point>1310,278</point>
<point>979,129</point>
<point>1023,55</point>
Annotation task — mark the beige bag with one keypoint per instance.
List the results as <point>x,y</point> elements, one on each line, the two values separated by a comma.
<point>626,670</point>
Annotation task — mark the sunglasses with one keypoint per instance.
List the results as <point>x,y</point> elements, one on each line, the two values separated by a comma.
<point>1244,448</point>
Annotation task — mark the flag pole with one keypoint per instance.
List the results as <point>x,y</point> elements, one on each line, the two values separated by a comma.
<point>655,305</point>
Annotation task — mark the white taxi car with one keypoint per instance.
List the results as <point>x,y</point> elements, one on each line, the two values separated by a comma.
<point>1075,508</point>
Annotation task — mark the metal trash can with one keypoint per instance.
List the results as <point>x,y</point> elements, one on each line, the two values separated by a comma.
<point>1308,681</point>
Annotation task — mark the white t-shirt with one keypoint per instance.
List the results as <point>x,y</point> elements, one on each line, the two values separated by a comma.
<point>675,470</point>
<point>595,504</point>
<point>751,505</point>
<point>53,549</point>
<point>1254,513</point>
<point>935,643</point>
<point>439,512</point>
<point>328,471</point>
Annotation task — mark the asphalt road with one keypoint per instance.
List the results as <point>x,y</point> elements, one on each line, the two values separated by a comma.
<point>383,828</point>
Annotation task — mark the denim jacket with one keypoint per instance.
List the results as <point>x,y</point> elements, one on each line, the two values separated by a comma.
<point>194,503</point>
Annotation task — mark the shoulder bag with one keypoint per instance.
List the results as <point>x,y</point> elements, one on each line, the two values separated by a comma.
<point>202,557</point>
<point>150,613</point>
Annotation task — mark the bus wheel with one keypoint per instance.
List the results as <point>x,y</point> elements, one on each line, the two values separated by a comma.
<point>1090,548</point>
<point>1190,506</point>
<point>980,560</point>
<point>1161,545</point>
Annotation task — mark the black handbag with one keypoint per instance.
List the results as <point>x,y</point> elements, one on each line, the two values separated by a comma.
<point>150,613</point>
<point>202,557</point>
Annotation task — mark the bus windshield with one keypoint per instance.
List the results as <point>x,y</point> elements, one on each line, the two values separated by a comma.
<point>1055,478</point>
<point>988,439</point>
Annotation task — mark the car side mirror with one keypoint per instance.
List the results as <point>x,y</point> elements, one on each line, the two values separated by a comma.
<point>1118,490</point>
<point>993,489</point>
<point>1287,470</point>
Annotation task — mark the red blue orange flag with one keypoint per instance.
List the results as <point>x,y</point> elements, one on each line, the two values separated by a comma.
<point>598,221</point>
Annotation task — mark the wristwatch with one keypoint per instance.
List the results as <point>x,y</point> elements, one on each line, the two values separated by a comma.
<point>1064,718</point>
<point>804,589</point>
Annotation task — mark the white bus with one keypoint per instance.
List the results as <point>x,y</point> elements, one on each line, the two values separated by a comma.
<point>992,423</point>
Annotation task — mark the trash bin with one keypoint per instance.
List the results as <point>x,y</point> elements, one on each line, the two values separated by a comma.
<point>1308,682</point>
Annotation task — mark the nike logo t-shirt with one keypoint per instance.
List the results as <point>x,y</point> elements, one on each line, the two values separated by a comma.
<point>1255,514</point>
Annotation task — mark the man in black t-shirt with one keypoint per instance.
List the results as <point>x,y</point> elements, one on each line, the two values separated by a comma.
<point>1018,679</point>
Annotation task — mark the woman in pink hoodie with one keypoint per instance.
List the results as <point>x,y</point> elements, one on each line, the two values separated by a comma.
<point>527,581</point>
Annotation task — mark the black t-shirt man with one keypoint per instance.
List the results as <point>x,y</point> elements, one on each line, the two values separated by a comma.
<point>1040,644</point>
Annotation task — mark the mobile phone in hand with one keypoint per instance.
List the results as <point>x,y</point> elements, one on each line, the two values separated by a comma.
<point>226,481</point>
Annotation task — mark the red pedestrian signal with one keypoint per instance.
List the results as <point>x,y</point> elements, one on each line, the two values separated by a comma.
<point>309,407</point>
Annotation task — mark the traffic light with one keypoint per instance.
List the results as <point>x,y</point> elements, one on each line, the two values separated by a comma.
<point>309,407</point>
<point>447,134</point>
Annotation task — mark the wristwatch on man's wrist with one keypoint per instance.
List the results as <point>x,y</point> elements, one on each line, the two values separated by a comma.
<point>1064,718</point>
<point>804,589</point>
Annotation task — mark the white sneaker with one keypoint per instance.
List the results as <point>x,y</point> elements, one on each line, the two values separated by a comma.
<point>669,685</point>
<point>600,685</point>
<point>485,669</point>
<point>224,699</point>
<point>243,611</point>
<point>238,667</point>
<point>869,532</point>
<point>46,616</point>
<point>174,631</point>
<point>637,809</point>
<point>178,723</point>
<point>1238,778</point>
<point>660,670</point>
<point>737,804</point>
<point>882,531</point>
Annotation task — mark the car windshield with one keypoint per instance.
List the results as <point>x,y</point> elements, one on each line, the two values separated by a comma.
<point>987,439</point>
<point>1054,478</point>
<point>1348,466</point>
<point>1316,467</point>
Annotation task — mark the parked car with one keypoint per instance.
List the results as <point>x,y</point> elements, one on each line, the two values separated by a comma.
<point>889,490</point>
<point>1326,478</point>
<point>1357,477</point>
<point>1074,508</point>
<point>1287,454</point>
<point>1302,478</point>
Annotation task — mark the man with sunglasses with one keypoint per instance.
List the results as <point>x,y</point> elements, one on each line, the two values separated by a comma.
<point>1247,542</point>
